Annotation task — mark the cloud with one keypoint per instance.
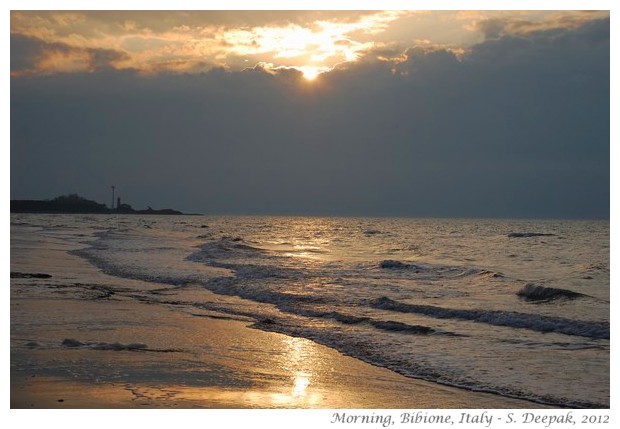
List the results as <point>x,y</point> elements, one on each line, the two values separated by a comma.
<point>174,41</point>
<point>495,27</point>
<point>516,126</point>
<point>34,56</point>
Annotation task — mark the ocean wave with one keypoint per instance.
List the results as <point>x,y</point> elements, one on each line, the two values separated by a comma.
<point>491,274</point>
<point>439,270</point>
<point>534,322</point>
<point>246,247</point>
<point>595,267</point>
<point>19,275</point>
<point>225,249</point>
<point>348,319</point>
<point>73,343</point>
<point>20,223</point>
<point>389,325</point>
<point>537,293</point>
<point>538,345</point>
<point>397,265</point>
<point>529,234</point>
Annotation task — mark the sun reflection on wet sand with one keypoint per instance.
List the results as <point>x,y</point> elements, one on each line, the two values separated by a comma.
<point>303,374</point>
<point>301,362</point>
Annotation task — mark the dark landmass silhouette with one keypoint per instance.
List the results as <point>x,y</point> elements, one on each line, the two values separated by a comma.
<point>74,204</point>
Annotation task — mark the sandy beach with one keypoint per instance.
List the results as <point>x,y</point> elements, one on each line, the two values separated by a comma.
<point>83,339</point>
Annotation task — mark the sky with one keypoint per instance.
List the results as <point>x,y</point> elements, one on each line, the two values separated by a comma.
<point>367,113</point>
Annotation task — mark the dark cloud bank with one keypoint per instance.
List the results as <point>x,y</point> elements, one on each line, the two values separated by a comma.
<point>519,127</point>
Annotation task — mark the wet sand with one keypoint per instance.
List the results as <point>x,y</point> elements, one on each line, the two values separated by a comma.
<point>82,339</point>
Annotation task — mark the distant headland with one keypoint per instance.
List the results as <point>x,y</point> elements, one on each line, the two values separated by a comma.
<point>74,204</point>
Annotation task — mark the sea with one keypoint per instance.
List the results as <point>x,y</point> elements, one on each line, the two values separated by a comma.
<point>517,308</point>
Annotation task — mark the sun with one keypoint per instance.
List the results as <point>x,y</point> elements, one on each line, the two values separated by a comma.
<point>311,73</point>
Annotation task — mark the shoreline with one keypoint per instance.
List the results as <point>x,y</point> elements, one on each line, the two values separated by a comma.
<point>180,360</point>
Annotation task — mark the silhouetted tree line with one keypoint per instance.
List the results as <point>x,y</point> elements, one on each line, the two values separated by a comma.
<point>73,203</point>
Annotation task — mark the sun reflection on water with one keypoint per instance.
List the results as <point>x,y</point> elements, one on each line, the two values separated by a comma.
<point>301,382</point>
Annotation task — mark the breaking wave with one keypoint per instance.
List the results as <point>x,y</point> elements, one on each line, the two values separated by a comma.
<point>534,322</point>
